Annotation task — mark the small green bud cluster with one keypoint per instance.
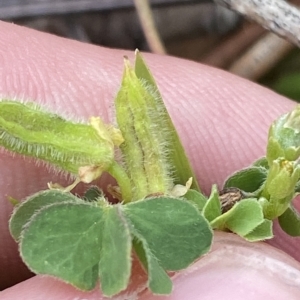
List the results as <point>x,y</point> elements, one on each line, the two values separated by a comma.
<point>274,180</point>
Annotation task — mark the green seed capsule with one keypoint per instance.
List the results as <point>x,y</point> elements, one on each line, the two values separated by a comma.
<point>144,150</point>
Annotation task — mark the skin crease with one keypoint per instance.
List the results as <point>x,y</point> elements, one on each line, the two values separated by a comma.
<point>222,121</point>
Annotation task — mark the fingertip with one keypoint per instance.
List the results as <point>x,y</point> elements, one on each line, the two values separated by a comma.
<point>236,269</point>
<point>44,288</point>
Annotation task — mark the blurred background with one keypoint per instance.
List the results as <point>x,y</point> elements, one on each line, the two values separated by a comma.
<point>194,29</point>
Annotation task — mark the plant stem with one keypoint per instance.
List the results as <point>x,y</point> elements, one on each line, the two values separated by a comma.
<point>122,179</point>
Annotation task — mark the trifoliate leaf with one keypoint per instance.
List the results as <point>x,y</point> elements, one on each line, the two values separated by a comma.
<point>175,231</point>
<point>212,207</point>
<point>24,211</point>
<point>115,259</point>
<point>64,240</point>
<point>290,221</point>
<point>177,158</point>
<point>248,180</point>
<point>79,241</point>
<point>242,219</point>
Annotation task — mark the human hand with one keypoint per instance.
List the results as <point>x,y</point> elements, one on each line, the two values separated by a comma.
<point>222,121</point>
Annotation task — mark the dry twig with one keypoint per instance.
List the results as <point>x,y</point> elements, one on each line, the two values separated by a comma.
<point>261,57</point>
<point>276,15</point>
<point>226,52</point>
<point>146,18</point>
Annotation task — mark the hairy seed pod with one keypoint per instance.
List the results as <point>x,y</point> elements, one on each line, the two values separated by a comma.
<point>144,150</point>
<point>28,130</point>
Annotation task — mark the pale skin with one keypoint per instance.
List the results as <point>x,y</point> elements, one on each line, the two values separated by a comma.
<point>221,119</point>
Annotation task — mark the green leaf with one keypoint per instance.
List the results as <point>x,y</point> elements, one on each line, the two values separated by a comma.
<point>175,231</point>
<point>196,198</point>
<point>177,158</point>
<point>248,180</point>
<point>24,211</point>
<point>158,280</point>
<point>28,130</point>
<point>79,241</point>
<point>242,218</point>
<point>262,232</point>
<point>115,260</point>
<point>261,162</point>
<point>212,208</point>
<point>64,240</point>
<point>290,221</point>
<point>169,234</point>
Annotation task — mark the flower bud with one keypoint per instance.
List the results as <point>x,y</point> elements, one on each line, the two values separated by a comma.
<point>284,137</point>
<point>280,185</point>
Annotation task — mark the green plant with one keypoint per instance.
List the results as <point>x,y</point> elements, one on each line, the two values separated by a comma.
<point>161,213</point>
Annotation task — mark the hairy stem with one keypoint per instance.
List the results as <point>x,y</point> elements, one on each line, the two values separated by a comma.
<point>122,179</point>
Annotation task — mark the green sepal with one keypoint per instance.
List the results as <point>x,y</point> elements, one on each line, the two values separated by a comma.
<point>177,157</point>
<point>26,209</point>
<point>282,179</point>
<point>263,231</point>
<point>274,150</point>
<point>279,189</point>
<point>212,208</point>
<point>195,197</point>
<point>249,180</point>
<point>242,219</point>
<point>289,221</point>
